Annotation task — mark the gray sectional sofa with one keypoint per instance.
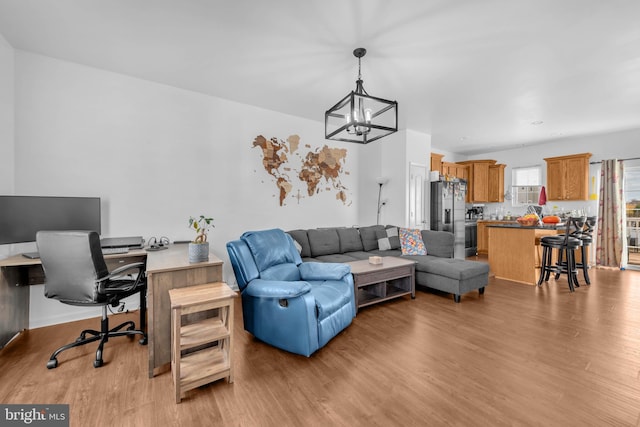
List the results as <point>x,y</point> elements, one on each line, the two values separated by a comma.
<point>437,270</point>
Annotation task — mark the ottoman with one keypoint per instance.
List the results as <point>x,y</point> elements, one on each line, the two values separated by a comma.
<point>455,276</point>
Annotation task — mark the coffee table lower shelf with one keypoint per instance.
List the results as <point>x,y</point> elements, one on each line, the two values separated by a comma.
<point>374,283</point>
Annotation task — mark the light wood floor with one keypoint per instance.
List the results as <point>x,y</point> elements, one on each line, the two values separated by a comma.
<point>519,355</point>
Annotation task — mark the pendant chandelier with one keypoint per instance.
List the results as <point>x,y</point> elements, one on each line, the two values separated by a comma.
<point>359,117</point>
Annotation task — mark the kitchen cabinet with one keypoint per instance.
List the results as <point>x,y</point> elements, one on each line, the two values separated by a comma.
<point>449,169</point>
<point>483,234</point>
<point>496,183</point>
<point>436,162</point>
<point>478,180</point>
<point>482,238</point>
<point>568,177</point>
<point>454,170</point>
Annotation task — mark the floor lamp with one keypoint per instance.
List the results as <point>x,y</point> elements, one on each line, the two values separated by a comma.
<point>381,181</point>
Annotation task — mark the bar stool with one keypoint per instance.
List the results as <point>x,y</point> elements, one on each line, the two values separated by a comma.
<point>582,229</point>
<point>586,236</point>
<point>566,244</point>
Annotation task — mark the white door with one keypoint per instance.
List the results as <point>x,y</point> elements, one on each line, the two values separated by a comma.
<point>417,180</point>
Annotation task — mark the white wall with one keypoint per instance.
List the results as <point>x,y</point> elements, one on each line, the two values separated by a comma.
<point>396,152</point>
<point>370,168</point>
<point>6,124</point>
<point>394,149</point>
<point>449,156</point>
<point>419,153</point>
<point>156,155</point>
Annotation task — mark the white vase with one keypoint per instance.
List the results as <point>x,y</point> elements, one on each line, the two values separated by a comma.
<point>198,252</point>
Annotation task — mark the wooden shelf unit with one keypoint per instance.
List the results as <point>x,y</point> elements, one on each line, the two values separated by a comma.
<point>201,335</point>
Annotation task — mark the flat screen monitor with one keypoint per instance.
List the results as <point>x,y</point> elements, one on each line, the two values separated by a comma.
<point>21,217</point>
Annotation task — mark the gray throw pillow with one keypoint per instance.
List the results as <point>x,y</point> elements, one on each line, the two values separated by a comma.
<point>388,239</point>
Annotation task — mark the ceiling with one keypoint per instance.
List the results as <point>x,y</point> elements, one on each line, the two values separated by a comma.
<point>476,75</point>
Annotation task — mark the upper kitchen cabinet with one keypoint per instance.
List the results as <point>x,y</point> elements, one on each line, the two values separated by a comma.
<point>478,179</point>
<point>448,169</point>
<point>436,162</point>
<point>454,170</point>
<point>496,183</point>
<point>568,177</point>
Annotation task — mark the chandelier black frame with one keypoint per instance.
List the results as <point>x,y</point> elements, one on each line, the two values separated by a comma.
<point>360,117</point>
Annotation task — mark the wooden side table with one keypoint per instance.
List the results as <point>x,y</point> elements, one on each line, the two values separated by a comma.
<point>201,335</point>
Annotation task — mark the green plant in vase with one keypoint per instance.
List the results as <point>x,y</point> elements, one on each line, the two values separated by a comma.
<point>199,246</point>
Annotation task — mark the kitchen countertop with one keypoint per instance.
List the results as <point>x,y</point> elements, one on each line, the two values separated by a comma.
<point>515,224</point>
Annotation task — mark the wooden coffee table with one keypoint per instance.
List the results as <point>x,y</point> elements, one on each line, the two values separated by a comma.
<point>374,283</point>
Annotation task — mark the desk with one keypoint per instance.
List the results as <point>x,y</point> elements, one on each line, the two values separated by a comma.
<point>170,269</point>
<point>166,269</point>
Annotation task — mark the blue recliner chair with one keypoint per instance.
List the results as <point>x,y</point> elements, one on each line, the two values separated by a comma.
<point>293,305</point>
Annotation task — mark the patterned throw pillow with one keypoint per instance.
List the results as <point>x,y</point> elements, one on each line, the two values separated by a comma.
<point>411,242</point>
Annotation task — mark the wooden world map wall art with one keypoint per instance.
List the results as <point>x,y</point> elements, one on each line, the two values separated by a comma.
<point>291,166</point>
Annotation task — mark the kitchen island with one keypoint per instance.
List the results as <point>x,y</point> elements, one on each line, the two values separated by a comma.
<point>514,250</point>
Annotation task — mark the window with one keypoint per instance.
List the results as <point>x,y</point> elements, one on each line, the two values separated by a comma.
<point>632,199</point>
<point>525,185</point>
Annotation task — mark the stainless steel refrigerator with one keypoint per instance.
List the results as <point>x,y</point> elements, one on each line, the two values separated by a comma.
<point>448,211</point>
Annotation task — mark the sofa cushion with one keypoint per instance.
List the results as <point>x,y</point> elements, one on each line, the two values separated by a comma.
<point>438,243</point>
<point>411,242</point>
<point>388,238</point>
<point>369,237</point>
<point>350,240</point>
<point>271,247</point>
<point>323,241</point>
<point>301,237</point>
<point>390,252</point>
<point>358,254</point>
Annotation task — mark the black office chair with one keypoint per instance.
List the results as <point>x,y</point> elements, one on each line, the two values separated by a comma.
<point>76,274</point>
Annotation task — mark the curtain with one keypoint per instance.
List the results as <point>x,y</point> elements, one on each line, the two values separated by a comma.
<point>611,240</point>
